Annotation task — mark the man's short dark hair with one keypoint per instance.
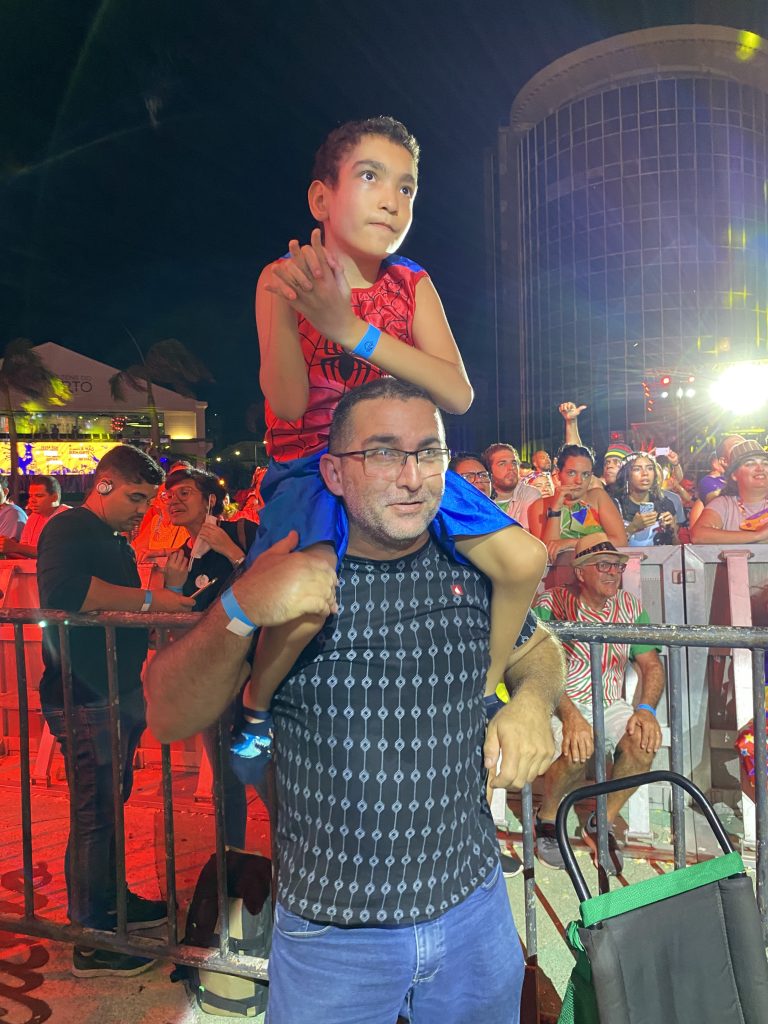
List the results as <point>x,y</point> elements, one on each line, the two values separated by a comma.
<point>498,446</point>
<point>206,483</point>
<point>458,457</point>
<point>571,451</point>
<point>131,464</point>
<point>383,387</point>
<point>344,138</point>
<point>50,483</point>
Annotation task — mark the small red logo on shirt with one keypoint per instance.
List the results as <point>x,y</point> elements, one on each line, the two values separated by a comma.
<point>457,590</point>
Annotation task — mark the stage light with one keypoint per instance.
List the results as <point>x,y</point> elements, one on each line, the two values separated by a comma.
<point>665,394</point>
<point>690,392</point>
<point>741,388</point>
<point>679,392</point>
<point>665,380</point>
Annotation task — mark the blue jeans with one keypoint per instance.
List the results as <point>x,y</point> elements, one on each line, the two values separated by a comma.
<point>466,965</point>
<point>92,858</point>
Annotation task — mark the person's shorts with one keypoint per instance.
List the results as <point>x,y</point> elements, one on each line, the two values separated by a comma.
<point>616,716</point>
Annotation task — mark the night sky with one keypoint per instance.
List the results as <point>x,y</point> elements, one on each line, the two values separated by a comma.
<point>155,154</point>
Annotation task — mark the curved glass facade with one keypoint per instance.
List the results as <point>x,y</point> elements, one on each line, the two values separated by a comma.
<point>642,244</point>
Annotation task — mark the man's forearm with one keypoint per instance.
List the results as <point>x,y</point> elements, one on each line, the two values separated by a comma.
<point>652,680</point>
<point>539,670</point>
<point>191,682</point>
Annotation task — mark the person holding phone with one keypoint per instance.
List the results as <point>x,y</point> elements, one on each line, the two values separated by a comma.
<point>200,568</point>
<point>648,514</point>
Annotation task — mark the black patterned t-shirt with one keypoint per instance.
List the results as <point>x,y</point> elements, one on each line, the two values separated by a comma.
<point>379,731</point>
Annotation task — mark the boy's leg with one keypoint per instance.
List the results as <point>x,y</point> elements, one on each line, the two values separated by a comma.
<point>277,649</point>
<point>514,561</point>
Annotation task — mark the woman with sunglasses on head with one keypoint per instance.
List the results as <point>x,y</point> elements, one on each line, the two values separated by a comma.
<point>740,514</point>
<point>575,509</point>
<point>648,514</point>
<point>200,569</point>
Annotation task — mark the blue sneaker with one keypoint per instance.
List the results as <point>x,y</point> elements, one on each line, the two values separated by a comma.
<point>251,748</point>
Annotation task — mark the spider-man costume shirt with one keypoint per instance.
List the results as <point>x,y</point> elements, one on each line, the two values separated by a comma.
<point>388,304</point>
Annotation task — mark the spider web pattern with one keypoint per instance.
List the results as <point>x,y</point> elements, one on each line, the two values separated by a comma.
<point>388,304</point>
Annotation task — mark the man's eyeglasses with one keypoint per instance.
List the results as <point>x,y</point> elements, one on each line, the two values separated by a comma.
<point>474,478</point>
<point>610,566</point>
<point>182,493</point>
<point>388,463</point>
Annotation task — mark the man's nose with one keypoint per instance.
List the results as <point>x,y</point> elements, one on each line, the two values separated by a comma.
<point>410,473</point>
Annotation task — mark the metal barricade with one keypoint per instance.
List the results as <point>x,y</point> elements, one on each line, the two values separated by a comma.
<point>675,638</point>
<point>33,923</point>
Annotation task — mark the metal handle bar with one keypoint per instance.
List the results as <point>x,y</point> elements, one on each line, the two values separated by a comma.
<point>614,786</point>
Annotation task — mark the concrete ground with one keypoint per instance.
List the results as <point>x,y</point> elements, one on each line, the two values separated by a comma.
<point>35,983</point>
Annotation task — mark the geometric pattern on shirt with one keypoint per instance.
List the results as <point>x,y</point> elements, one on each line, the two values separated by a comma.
<point>378,737</point>
<point>563,605</point>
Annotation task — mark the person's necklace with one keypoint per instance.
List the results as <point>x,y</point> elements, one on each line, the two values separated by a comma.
<point>746,514</point>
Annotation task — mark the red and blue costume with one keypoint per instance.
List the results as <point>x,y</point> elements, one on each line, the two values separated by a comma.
<point>294,494</point>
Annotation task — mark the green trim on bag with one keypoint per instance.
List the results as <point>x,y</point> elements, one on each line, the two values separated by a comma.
<point>653,890</point>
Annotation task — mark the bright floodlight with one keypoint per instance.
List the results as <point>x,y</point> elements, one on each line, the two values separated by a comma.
<point>741,388</point>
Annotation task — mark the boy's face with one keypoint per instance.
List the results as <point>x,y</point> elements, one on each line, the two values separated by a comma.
<point>369,209</point>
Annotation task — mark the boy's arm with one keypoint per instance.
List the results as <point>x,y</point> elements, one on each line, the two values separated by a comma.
<point>315,286</point>
<point>283,374</point>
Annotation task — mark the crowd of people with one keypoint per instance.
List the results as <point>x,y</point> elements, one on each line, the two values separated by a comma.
<point>378,644</point>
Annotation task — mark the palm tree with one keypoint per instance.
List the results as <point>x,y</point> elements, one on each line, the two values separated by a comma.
<point>24,372</point>
<point>167,362</point>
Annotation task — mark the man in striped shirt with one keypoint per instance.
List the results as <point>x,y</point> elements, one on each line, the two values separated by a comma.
<point>632,733</point>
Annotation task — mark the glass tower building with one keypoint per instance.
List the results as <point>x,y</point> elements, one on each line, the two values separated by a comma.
<point>633,229</point>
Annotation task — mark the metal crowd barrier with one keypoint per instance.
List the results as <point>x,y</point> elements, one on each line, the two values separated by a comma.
<point>31,923</point>
<point>675,638</point>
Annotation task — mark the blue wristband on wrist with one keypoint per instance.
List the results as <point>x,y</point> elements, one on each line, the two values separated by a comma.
<point>176,590</point>
<point>367,343</point>
<point>646,707</point>
<point>147,600</point>
<point>239,623</point>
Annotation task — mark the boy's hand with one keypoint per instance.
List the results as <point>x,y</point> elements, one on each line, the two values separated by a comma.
<point>314,284</point>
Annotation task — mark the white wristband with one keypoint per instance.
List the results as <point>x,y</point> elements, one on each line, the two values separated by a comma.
<point>147,601</point>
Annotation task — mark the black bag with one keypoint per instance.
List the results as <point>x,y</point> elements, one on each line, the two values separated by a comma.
<point>684,946</point>
<point>249,885</point>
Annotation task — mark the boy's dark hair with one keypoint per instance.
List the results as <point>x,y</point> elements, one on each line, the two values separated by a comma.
<point>50,483</point>
<point>571,451</point>
<point>346,137</point>
<point>384,387</point>
<point>206,483</point>
<point>132,464</point>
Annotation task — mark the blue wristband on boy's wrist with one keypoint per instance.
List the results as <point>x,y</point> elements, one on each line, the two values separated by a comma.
<point>176,590</point>
<point>239,623</point>
<point>646,707</point>
<point>367,343</point>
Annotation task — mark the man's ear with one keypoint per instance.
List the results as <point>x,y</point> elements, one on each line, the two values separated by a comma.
<point>318,196</point>
<point>329,471</point>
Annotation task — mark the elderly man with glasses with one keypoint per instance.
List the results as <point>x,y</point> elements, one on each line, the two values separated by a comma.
<point>632,733</point>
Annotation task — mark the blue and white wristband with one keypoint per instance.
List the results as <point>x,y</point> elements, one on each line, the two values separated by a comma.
<point>239,623</point>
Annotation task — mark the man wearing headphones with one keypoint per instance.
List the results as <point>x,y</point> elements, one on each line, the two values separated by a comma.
<point>86,564</point>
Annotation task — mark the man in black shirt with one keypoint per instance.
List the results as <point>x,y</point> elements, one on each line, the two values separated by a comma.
<point>86,564</point>
<point>390,893</point>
